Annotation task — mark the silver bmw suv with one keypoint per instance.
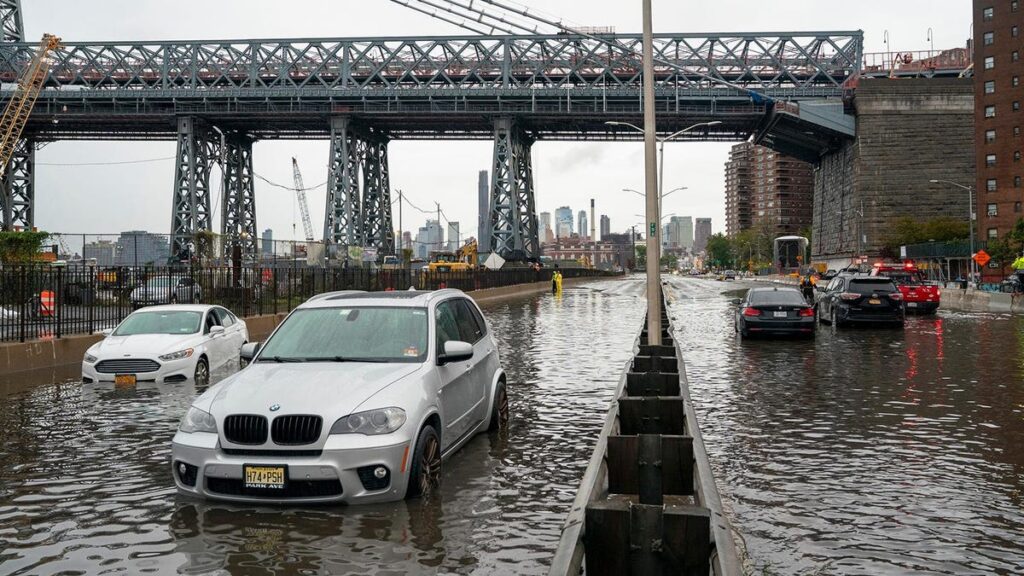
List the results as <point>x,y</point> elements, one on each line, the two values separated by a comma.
<point>356,397</point>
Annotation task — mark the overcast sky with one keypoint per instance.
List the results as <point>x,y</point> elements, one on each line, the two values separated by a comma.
<point>95,199</point>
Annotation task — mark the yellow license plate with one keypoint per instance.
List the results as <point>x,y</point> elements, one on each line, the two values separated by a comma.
<point>265,477</point>
<point>124,380</point>
<point>874,301</point>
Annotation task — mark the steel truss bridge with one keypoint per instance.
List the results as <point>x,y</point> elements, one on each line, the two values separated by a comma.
<point>217,98</point>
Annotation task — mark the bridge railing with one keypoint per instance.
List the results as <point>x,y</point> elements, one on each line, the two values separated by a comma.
<point>43,302</point>
<point>757,61</point>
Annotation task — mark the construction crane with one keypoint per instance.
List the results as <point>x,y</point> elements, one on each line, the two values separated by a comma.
<point>300,191</point>
<point>20,105</point>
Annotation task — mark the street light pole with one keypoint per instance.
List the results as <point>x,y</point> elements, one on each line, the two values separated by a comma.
<point>970,219</point>
<point>651,187</point>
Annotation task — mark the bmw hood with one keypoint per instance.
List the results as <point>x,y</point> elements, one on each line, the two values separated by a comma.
<point>331,390</point>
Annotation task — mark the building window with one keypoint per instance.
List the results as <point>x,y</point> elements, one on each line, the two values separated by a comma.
<point>987,14</point>
<point>990,87</point>
<point>990,185</point>
<point>1014,55</point>
<point>992,209</point>
<point>1016,181</point>
<point>990,160</point>
<point>990,136</point>
<point>1015,81</point>
<point>990,111</point>
<point>1016,206</point>
<point>1016,105</point>
<point>993,233</point>
<point>988,38</point>
<point>990,62</point>
<point>1013,6</point>
<point>1016,156</point>
<point>1014,31</point>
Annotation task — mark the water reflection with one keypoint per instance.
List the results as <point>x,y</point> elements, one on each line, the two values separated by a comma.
<point>865,451</point>
<point>85,486</point>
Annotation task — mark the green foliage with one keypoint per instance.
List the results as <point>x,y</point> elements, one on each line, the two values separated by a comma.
<point>1001,251</point>
<point>1016,235</point>
<point>906,231</point>
<point>21,247</point>
<point>670,261</point>
<point>204,241</point>
<point>641,255</point>
<point>719,250</point>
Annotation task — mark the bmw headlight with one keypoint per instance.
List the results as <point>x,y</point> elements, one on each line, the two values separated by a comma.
<point>90,359</point>
<point>197,420</point>
<point>371,422</point>
<point>177,355</point>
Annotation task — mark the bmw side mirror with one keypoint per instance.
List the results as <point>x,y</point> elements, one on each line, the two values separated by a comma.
<point>107,332</point>
<point>249,350</point>
<point>455,351</point>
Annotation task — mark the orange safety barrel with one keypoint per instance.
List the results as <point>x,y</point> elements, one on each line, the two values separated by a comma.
<point>47,304</point>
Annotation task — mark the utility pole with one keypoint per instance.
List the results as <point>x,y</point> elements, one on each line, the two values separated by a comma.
<point>401,239</point>
<point>651,185</point>
<point>440,230</point>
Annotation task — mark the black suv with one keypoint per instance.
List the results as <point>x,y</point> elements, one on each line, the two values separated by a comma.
<point>850,299</point>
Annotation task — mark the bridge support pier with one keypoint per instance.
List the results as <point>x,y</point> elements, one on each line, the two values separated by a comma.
<point>190,212</point>
<point>343,217</point>
<point>513,219</point>
<point>238,210</point>
<point>17,200</point>
<point>377,224</point>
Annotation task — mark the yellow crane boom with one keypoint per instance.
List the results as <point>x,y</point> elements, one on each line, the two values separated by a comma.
<point>16,114</point>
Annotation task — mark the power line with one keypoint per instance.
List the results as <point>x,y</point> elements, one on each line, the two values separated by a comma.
<point>105,163</point>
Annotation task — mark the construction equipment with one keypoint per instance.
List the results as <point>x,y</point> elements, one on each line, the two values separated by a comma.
<point>462,259</point>
<point>16,114</point>
<point>300,191</point>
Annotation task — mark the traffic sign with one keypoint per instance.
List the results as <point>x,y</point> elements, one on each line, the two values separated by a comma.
<point>982,257</point>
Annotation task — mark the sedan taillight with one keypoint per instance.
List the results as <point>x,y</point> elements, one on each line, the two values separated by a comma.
<point>895,296</point>
<point>805,312</point>
<point>751,312</point>
<point>849,295</point>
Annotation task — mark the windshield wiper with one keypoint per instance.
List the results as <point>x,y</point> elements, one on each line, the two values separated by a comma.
<point>280,359</point>
<point>345,359</point>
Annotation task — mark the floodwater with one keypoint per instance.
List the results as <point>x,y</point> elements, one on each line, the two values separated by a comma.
<point>86,488</point>
<point>863,451</point>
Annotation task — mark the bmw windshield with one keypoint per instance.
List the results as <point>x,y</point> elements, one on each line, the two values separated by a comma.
<point>160,323</point>
<point>352,334</point>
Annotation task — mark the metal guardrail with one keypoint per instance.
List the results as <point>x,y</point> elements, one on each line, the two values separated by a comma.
<point>41,302</point>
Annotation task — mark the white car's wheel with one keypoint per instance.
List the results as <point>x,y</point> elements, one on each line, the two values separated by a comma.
<point>202,373</point>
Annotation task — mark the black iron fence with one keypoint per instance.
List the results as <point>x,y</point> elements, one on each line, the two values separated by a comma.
<point>43,302</point>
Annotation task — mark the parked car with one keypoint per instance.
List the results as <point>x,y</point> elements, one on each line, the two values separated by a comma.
<point>849,299</point>
<point>729,275</point>
<point>166,344</point>
<point>918,294</point>
<point>829,274</point>
<point>774,311</point>
<point>166,290</point>
<point>355,398</point>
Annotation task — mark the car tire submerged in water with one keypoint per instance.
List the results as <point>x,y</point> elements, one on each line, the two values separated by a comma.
<point>202,374</point>
<point>425,471</point>
<point>499,409</point>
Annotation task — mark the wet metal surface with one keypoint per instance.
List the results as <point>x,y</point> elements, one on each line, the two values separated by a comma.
<point>85,486</point>
<point>864,451</point>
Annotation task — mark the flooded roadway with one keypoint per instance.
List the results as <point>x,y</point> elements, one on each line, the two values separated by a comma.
<point>85,486</point>
<point>864,451</point>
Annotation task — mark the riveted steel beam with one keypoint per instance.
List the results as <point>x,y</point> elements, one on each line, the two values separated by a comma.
<point>377,225</point>
<point>17,201</point>
<point>513,221</point>
<point>11,25</point>
<point>238,210</point>
<point>190,211</point>
<point>343,217</point>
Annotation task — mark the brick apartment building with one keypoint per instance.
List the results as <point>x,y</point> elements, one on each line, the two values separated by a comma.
<point>999,42</point>
<point>767,190</point>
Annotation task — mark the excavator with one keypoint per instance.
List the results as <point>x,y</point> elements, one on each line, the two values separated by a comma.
<point>463,259</point>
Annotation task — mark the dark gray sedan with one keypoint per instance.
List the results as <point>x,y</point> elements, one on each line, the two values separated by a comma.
<point>778,310</point>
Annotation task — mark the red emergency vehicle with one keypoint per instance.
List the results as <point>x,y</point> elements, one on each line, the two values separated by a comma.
<point>918,294</point>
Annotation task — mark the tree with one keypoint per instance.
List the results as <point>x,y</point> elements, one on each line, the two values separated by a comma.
<point>719,250</point>
<point>1016,235</point>
<point>21,247</point>
<point>641,256</point>
<point>670,261</point>
<point>907,230</point>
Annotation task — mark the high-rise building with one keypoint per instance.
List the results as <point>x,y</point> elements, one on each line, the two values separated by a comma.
<point>103,251</point>
<point>767,190</point>
<point>563,222</point>
<point>429,238</point>
<point>702,231</point>
<point>268,241</point>
<point>546,233</point>
<point>998,93</point>
<point>606,226</point>
<point>454,237</point>
<point>582,224</point>
<point>484,213</point>
<point>678,233</point>
<point>138,247</point>
<point>406,240</point>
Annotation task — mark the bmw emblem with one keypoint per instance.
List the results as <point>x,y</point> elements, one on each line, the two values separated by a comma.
<point>275,407</point>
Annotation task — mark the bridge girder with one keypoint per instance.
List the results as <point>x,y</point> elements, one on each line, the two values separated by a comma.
<point>343,216</point>
<point>12,28</point>
<point>17,198</point>
<point>378,230</point>
<point>513,218</point>
<point>238,208</point>
<point>197,153</point>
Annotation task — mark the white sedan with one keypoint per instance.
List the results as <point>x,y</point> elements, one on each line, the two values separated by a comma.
<point>166,344</point>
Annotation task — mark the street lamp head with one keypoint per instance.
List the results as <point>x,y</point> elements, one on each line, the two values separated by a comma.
<point>934,181</point>
<point>714,123</point>
<point>613,123</point>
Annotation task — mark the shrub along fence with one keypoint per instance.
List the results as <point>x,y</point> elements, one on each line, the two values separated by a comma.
<point>50,302</point>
